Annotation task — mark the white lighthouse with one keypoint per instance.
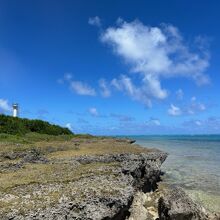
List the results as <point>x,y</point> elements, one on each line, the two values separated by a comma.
<point>15,110</point>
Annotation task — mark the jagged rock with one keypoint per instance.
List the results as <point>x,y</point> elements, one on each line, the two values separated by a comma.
<point>175,204</point>
<point>13,155</point>
<point>137,210</point>
<point>97,197</point>
<point>112,187</point>
<point>34,156</point>
<point>126,140</point>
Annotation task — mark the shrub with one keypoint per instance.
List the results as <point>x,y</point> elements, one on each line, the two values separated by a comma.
<point>20,126</point>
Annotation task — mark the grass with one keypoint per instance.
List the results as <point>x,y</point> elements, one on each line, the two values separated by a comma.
<point>50,173</point>
<point>58,177</point>
<point>24,186</point>
<point>65,145</point>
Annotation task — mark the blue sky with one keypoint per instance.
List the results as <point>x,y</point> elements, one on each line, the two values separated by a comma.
<point>113,67</point>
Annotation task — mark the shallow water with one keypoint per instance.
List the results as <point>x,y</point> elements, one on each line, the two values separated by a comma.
<point>193,163</point>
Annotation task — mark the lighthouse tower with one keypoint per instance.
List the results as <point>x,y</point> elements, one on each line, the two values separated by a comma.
<point>15,110</point>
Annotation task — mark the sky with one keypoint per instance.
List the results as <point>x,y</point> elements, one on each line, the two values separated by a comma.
<point>113,67</point>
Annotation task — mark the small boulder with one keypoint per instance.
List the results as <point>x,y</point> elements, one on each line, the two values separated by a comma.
<point>176,204</point>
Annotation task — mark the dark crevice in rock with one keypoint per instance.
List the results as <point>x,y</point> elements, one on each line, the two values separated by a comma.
<point>122,214</point>
<point>143,181</point>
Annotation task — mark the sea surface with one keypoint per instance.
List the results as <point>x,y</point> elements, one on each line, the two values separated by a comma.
<point>193,163</point>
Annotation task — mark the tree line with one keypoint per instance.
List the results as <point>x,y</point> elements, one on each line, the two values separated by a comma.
<point>19,126</point>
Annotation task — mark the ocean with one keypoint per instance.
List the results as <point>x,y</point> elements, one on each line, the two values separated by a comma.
<point>193,163</point>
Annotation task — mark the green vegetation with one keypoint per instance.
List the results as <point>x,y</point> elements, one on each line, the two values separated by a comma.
<point>21,126</point>
<point>38,170</point>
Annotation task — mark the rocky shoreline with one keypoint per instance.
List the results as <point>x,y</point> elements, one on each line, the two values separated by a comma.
<point>114,186</point>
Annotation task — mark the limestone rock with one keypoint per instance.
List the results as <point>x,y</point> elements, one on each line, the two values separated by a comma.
<point>175,204</point>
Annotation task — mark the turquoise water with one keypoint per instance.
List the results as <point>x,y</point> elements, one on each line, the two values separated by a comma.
<point>193,163</point>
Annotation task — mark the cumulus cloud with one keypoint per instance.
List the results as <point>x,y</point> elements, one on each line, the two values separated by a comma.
<point>154,53</point>
<point>179,94</point>
<point>69,126</point>
<point>93,111</point>
<point>195,106</point>
<point>95,21</point>
<point>191,108</point>
<point>78,87</point>
<point>82,88</point>
<point>174,110</point>
<point>148,88</point>
<point>4,106</point>
<point>105,90</point>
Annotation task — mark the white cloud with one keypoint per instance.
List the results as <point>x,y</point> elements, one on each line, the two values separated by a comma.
<point>198,123</point>
<point>69,126</point>
<point>174,110</point>
<point>93,111</point>
<point>95,21</point>
<point>179,94</point>
<point>195,106</point>
<point>154,53</point>
<point>191,108</point>
<point>79,87</point>
<point>105,90</point>
<point>153,122</point>
<point>148,88</point>
<point>82,88</point>
<point>4,105</point>
<point>209,125</point>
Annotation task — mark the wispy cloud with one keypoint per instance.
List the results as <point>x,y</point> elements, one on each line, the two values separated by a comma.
<point>95,21</point>
<point>153,122</point>
<point>105,89</point>
<point>148,88</point>
<point>195,106</point>
<point>174,110</point>
<point>93,111</point>
<point>179,94</point>
<point>4,105</point>
<point>191,108</point>
<point>78,87</point>
<point>82,88</point>
<point>122,117</point>
<point>210,125</point>
<point>154,53</point>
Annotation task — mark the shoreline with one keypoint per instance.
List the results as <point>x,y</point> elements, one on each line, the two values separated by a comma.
<point>89,178</point>
<point>192,165</point>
